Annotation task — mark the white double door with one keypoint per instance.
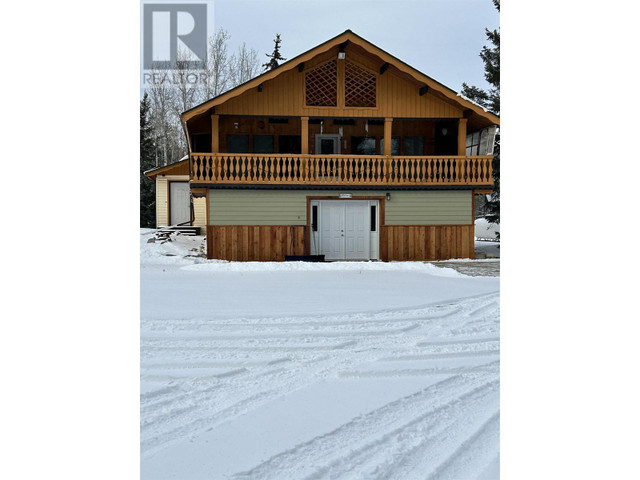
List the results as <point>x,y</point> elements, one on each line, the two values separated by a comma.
<point>344,227</point>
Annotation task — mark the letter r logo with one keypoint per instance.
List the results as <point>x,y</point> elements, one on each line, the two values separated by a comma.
<point>186,22</point>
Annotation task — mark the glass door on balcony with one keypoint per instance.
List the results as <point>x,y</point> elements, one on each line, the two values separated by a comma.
<point>327,144</point>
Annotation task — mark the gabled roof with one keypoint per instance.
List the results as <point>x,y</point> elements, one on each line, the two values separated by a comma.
<point>343,38</point>
<point>176,168</point>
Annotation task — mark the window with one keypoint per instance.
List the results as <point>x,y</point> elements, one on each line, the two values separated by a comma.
<point>481,142</point>
<point>263,144</point>
<point>363,145</point>
<point>413,146</point>
<point>314,218</point>
<point>374,217</point>
<point>238,143</point>
<point>201,142</point>
<point>289,144</point>
<point>395,146</point>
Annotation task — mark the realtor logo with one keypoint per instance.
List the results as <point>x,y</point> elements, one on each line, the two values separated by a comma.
<point>168,27</point>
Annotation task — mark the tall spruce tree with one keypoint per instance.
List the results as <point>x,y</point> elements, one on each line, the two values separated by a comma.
<point>491,101</point>
<point>275,57</point>
<point>147,162</point>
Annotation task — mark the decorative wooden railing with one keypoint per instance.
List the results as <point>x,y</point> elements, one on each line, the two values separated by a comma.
<point>245,168</point>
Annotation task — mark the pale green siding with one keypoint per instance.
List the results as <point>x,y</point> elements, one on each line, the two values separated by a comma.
<point>289,207</point>
<point>443,207</point>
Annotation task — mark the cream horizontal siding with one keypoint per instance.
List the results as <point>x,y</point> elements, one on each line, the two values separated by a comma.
<point>200,211</point>
<point>289,207</point>
<point>162,203</point>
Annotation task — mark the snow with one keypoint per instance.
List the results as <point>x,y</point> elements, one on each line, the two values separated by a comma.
<point>315,370</point>
<point>485,230</point>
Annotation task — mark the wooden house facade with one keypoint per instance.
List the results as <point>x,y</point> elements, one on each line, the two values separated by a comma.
<point>344,151</point>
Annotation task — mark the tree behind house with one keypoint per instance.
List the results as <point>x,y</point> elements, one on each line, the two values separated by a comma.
<point>244,65</point>
<point>147,162</point>
<point>491,101</point>
<point>275,57</point>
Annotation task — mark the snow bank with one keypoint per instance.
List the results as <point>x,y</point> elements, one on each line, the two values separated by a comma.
<point>178,250</point>
<point>187,252</point>
<point>418,267</point>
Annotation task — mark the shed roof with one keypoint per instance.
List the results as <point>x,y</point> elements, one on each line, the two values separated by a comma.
<point>177,168</point>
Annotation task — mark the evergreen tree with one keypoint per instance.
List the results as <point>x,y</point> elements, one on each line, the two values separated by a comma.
<point>147,162</point>
<point>275,56</point>
<point>491,101</point>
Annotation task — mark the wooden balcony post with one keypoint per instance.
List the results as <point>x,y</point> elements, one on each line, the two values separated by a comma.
<point>215,134</point>
<point>304,135</point>
<point>462,136</point>
<point>388,122</point>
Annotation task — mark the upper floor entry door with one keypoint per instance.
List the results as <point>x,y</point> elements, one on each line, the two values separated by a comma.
<point>327,144</point>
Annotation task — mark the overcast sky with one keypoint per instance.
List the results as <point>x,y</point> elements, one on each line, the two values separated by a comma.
<point>441,38</point>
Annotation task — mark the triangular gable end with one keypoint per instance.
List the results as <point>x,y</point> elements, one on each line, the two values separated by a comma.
<point>309,58</point>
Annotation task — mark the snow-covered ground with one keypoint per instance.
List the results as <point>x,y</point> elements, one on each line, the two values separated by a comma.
<point>299,370</point>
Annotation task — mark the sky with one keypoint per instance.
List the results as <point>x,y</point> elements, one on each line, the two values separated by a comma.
<point>441,38</point>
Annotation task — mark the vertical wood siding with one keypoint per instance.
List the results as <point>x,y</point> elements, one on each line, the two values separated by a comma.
<point>426,242</point>
<point>261,243</point>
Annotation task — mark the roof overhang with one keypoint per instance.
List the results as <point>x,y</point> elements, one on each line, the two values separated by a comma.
<point>340,40</point>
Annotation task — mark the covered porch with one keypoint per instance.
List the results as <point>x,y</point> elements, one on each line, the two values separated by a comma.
<point>339,151</point>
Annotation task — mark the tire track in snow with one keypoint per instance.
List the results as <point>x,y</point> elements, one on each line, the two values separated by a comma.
<point>188,409</point>
<point>369,433</point>
<point>468,458</point>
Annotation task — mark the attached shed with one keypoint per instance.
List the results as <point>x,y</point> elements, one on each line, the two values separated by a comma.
<point>175,204</point>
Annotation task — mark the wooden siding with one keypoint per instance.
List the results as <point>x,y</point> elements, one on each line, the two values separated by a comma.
<point>285,95</point>
<point>426,242</point>
<point>162,201</point>
<point>445,207</point>
<point>255,243</point>
<point>288,207</point>
<point>200,211</point>
<point>397,243</point>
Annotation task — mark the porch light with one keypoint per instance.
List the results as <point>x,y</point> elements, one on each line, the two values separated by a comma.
<point>388,196</point>
<point>444,131</point>
<point>235,125</point>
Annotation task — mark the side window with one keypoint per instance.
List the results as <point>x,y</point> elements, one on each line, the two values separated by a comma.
<point>314,218</point>
<point>413,146</point>
<point>238,143</point>
<point>395,146</point>
<point>363,145</point>
<point>263,144</point>
<point>374,218</point>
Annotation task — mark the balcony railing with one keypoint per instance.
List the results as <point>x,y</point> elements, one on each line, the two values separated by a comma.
<point>285,169</point>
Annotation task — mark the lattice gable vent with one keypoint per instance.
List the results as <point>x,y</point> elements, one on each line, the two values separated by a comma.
<point>359,86</point>
<point>321,85</point>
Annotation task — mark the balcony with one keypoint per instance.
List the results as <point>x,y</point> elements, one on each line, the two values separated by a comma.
<point>339,170</point>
